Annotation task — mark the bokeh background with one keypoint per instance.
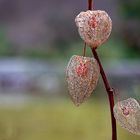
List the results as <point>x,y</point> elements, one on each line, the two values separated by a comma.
<point>37,39</point>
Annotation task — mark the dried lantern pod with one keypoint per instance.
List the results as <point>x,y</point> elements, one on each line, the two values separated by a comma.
<point>94,27</point>
<point>82,75</point>
<point>127,113</point>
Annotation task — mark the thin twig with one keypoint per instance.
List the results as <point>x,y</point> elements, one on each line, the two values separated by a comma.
<point>110,93</point>
<point>108,88</point>
<point>84,50</point>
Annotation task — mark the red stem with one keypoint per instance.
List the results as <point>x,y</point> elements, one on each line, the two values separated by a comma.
<point>84,50</point>
<point>90,4</point>
<point>109,90</point>
<point>110,93</point>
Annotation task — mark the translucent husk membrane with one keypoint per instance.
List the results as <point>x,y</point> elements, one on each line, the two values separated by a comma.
<point>127,114</point>
<point>94,27</point>
<point>82,76</point>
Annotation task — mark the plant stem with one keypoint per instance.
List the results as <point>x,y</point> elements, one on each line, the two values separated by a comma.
<point>110,93</point>
<point>90,4</point>
<point>109,90</point>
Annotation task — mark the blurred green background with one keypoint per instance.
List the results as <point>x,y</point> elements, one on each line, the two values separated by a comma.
<point>37,39</point>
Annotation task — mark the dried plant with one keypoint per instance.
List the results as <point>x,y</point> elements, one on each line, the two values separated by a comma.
<point>94,27</point>
<point>82,76</point>
<point>127,113</point>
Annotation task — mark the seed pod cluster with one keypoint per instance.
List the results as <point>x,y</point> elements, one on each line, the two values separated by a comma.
<point>82,75</point>
<point>94,27</point>
<point>127,113</point>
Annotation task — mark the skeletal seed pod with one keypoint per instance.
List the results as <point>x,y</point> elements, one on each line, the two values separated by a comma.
<point>94,27</point>
<point>127,113</point>
<point>82,75</point>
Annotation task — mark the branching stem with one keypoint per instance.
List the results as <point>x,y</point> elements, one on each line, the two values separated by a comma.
<point>110,93</point>
<point>108,88</point>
